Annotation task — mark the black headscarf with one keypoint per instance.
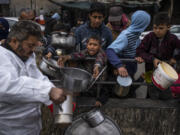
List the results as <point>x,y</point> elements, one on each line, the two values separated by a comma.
<point>4,30</point>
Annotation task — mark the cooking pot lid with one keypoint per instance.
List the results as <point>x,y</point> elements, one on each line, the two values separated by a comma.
<point>124,81</point>
<point>81,127</point>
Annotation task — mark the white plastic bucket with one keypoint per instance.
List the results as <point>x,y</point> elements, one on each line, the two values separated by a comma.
<point>164,76</point>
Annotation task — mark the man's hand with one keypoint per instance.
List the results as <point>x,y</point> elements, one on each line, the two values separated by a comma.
<point>49,55</point>
<point>57,95</point>
<point>95,71</point>
<point>139,59</point>
<point>156,62</point>
<point>122,71</point>
<point>63,59</point>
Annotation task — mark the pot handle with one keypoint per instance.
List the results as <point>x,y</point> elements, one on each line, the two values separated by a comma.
<point>92,82</point>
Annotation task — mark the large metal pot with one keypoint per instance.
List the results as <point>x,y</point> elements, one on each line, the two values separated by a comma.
<point>93,118</point>
<point>80,126</point>
<point>63,113</point>
<point>75,79</point>
<point>49,67</point>
<point>63,40</point>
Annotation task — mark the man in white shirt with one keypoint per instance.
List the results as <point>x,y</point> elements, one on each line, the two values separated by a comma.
<point>23,88</point>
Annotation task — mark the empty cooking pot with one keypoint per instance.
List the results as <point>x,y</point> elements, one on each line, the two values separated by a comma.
<point>124,85</point>
<point>75,79</point>
<point>93,118</point>
<point>63,40</point>
<point>49,67</point>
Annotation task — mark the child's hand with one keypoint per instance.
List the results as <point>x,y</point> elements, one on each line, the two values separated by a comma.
<point>139,59</point>
<point>122,71</point>
<point>63,59</point>
<point>95,71</point>
<point>49,55</point>
<point>156,62</point>
<point>98,104</point>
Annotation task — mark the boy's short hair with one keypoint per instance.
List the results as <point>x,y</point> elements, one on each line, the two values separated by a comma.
<point>161,18</point>
<point>95,37</point>
<point>97,7</point>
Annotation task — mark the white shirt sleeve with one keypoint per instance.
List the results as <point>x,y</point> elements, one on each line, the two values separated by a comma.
<point>15,88</point>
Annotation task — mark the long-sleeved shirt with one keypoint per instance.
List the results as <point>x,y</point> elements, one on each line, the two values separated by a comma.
<point>100,59</point>
<point>23,89</point>
<point>151,47</point>
<point>126,43</point>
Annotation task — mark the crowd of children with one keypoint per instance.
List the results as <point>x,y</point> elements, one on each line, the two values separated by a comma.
<point>95,40</point>
<point>157,46</point>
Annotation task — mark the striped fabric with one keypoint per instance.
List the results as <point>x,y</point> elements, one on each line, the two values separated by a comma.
<point>130,50</point>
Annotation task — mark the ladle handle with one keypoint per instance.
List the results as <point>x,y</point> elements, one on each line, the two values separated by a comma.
<point>97,78</point>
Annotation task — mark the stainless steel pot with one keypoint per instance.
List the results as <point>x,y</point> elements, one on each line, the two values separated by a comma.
<point>80,127</point>
<point>75,79</point>
<point>63,40</point>
<point>49,67</point>
<point>93,118</point>
<point>63,113</point>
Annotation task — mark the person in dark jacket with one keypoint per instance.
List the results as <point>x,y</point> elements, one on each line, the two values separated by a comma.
<point>157,46</point>
<point>94,25</point>
<point>4,28</point>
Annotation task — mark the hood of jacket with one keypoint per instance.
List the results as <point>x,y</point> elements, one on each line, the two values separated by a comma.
<point>139,21</point>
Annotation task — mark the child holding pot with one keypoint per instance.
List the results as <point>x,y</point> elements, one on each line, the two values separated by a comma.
<point>158,45</point>
<point>93,50</point>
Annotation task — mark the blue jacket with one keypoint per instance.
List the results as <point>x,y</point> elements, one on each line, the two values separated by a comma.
<point>83,32</point>
<point>126,43</point>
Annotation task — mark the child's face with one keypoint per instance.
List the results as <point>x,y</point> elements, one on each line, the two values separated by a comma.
<point>160,30</point>
<point>93,46</point>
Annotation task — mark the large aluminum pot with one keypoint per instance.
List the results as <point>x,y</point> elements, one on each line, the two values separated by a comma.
<point>49,67</point>
<point>75,79</point>
<point>63,113</point>
<point>93,118</point>
<point>80,126</point>
<point>63,40</point>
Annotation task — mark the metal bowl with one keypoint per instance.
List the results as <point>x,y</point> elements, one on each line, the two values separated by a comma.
<point>63,40</point>
<point>80,127</point>
<point>75,79</point>
<point>93,118</point>
<point>49,67</point>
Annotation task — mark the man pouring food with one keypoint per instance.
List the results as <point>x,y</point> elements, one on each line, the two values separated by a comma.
<point>23,88</point>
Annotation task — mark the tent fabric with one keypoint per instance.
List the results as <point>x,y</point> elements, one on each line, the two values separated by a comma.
<point>4,1</point>
<point>85,5</point>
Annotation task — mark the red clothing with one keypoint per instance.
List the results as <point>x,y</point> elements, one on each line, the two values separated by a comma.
<point>176,90</point>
